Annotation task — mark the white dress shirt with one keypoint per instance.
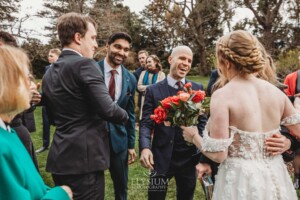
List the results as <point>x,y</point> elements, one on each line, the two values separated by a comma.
<point>172,82</point>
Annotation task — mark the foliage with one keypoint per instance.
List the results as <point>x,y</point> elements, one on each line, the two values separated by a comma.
<point>288,62</point>
<point>8,11</point>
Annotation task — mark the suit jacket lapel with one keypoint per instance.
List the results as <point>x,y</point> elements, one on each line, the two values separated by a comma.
<point>163,88</point>
<point>125,84</point>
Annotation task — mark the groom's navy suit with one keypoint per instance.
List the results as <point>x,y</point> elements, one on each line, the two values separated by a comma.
<point>172,156</point>
<point>122,137</point>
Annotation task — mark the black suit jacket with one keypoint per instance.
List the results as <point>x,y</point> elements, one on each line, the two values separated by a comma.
<point>78,103</point>
<point>212,80</point>
<point>163,137</point>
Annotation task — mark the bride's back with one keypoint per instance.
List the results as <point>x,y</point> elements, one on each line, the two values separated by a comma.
<point>254,105</point>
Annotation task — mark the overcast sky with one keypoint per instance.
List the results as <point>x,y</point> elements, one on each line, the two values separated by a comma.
<point>37,24</point>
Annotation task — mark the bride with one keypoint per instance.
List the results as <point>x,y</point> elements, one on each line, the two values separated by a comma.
<point>244,113</point>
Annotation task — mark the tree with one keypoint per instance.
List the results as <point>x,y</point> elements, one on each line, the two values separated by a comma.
<point>8,11</point>
<point>196,23</point>
<point>267,22</point>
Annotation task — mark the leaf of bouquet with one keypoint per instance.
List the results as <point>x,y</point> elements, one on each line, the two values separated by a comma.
<point>177,113</point>
<point>174,106</point>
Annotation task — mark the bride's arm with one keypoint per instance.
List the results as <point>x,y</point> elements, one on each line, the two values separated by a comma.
<point>215,145</point>
<point>291,117</point>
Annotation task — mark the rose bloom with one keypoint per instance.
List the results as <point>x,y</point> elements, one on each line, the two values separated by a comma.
<point>160,115</point>
<point>188,85</point>
<point>175,100</point>
<point>179,92</point>
<point>184,96</point>
<point>166,103</point>
<point>199,96</point>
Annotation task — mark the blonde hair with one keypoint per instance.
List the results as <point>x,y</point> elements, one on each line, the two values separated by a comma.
<point>56,51</point>
<point>264,67</point>
<point>14,83</point>
<point>241,49</point>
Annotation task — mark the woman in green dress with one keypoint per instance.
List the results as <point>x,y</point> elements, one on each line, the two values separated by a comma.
<point>19,178</point>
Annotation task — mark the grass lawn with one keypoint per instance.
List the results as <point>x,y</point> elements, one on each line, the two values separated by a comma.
<point>138,176</point>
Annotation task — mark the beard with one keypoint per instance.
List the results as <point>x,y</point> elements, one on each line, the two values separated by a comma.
<point>115,61</point>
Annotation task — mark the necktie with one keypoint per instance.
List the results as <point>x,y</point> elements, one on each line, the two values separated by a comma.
<point>112,84</point>
<point>179,84</point>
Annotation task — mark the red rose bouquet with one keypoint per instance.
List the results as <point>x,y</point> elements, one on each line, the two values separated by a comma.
<point>182,109</point>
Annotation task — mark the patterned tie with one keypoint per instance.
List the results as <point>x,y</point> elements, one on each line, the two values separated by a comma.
<point>179,84</point>
<point>112,84</point>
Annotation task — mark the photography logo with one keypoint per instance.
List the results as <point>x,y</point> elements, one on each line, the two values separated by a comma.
<point>150,180</point>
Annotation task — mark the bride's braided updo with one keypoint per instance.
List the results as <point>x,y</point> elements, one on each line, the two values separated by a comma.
<point>243,50</point>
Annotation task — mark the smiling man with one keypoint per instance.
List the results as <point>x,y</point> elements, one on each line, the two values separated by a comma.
<point>122,85</point>
<point>168,155</point>
<point>79,105</point>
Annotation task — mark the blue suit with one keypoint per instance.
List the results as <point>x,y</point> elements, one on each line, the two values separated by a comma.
<point>122,137</point>
<point>172,157</point>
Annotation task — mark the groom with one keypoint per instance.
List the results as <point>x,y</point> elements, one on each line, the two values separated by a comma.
<point>168,155</point>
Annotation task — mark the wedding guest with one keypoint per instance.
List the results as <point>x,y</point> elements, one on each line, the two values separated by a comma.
<point>152,75</point>
<point>79,104</point>
<point>20,121</point>
<point>168,155</point>
<point>52,57</point>
<point>19,176</point>
<point>121,85</point>
<point>142,56</point>
<point>292,80</point>
<point>239,125</point>
<point>214,75</point>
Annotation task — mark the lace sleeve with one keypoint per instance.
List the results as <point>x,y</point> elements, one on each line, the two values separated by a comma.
<point>215,145</point>
<point>291,120</point>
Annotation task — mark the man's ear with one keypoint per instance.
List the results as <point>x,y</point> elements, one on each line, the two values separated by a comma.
<point>106,47</point>
<point>77,38</point>
<point>170,59</point>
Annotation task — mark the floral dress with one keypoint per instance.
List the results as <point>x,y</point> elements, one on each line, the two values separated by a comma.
<point>249,172</point>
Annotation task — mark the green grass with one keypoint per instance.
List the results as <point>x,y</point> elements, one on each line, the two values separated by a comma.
<point>200,79</point>
<point>138,176</point>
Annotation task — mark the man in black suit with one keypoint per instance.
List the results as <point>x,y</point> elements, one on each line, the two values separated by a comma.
<point>79,105</point>
<point>52,58</point>
<point>169,156</point>
<point>214,75</point>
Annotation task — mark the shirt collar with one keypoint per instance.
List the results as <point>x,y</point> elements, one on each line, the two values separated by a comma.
<point>172,82</point>
<point>69,49</point>
<point>4,126</point>
<point>108,68</point>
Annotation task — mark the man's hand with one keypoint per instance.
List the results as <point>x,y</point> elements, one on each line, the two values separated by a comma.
<point>35,95</point>
<point>201,169</point>
<point>131,156</point>
<point>277,144</point>
<point>147,159</point>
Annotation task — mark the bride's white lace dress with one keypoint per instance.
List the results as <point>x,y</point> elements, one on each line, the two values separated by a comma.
<point>249,172</point>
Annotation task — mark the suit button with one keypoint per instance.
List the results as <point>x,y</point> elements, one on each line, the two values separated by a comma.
<point>171,141</point>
